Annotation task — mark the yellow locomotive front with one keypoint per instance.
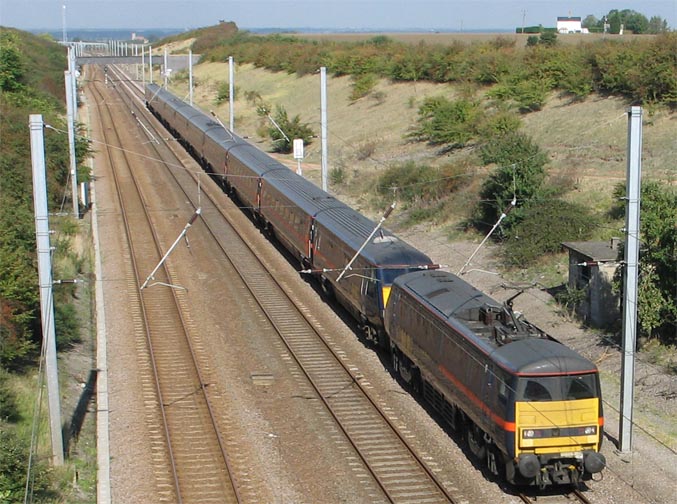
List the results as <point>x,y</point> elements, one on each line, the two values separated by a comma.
<point>558,429</point>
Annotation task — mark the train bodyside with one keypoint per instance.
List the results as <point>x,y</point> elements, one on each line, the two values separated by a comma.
<point>325,234</point>
<point>322,232</point>
<point>528,406</point>
<point>337,235</point>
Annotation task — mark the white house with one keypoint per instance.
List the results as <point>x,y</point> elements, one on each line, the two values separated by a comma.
<point>570,25</point>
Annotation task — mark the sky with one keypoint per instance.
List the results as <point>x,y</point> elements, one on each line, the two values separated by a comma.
<point>424,15</point>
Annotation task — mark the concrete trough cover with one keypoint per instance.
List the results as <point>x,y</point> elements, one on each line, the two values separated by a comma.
<point>262,379</point>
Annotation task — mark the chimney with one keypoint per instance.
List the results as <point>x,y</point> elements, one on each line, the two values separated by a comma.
<point>615,241</point>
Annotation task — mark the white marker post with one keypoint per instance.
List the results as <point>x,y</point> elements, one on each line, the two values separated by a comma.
<point>298,154</point>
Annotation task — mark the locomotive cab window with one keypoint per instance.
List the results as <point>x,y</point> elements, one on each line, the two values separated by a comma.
<point>534,391</point>
<point>558,388</point>
<point>580,388</point>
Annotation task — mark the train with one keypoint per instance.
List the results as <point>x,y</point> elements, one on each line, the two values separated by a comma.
<point>321,232</point>
<point>528,407</point>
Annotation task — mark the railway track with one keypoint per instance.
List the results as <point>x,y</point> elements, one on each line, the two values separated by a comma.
<point>191,462</point>
<point>573,496</point>
<point>394,466</point>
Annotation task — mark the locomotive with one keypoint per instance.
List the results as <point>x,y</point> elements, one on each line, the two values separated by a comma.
<point>527,405</point>
<point>322,233</point>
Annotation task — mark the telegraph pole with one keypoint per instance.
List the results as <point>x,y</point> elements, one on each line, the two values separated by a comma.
<point>634,175</point>
<point>45,280</point>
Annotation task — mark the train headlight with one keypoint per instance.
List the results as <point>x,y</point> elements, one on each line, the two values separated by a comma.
<point>589,431</point>
<point>529,434</point>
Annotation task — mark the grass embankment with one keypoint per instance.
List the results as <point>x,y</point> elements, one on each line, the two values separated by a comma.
<point>32,82</point>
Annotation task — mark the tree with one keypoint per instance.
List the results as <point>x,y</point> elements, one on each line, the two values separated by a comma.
<point>590,22</point>
<point>657,25</point>
<point>628,19</point>
<point>657,295</point>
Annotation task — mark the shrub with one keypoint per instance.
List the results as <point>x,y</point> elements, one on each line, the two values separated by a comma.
<point>414,184</point>
<point>9,411</point>
<point>366,149</point>
<point>442,121</point>
<point>571,298</point>
<point>362,86</point>
<point>14,463</point>
<point>292,128</point>
<point>66,326</point>
<point>548,38</point>
<point>529,94</point>
<point>337,175</point>
<point>499,123</point>
<point>520,173</point>
<point>544,225</point>
<point>223,93</point>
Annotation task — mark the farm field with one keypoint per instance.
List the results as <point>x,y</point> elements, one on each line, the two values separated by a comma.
<point>458,37</point>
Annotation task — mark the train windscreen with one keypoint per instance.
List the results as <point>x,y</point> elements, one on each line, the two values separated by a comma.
<point>557,388</point>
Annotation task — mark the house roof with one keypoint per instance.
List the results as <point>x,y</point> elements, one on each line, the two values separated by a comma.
<point>594,250</point>
<point>564,18</point>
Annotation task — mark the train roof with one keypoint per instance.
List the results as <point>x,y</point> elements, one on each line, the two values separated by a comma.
<point>536,356</point>
<point>512,342</point>
<point>201,120</point>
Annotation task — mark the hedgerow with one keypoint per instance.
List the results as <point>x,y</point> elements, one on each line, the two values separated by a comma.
<point>643,70</point>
